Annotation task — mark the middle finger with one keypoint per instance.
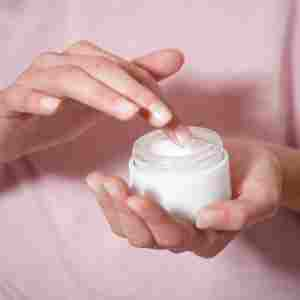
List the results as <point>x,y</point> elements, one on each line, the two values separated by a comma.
<point>167,233</point>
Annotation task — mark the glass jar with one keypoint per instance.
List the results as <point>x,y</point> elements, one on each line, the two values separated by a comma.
<point>181,179</point>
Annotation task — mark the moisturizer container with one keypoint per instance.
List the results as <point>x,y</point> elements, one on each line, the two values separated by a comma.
<point>181,179</point>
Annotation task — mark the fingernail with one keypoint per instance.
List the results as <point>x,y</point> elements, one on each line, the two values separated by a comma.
<point>207,218</point>
<point>94,181</point>
<point>125,109</point>
<point>49,104</point>
<point>160,114</point>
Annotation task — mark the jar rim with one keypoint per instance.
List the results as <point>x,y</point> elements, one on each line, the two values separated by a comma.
<point>143,156</point>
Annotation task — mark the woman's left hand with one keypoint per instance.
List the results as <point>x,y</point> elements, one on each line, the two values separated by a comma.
<point>257,184</point>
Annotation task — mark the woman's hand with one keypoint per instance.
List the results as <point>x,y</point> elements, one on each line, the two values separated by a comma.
<point>61,94</point>
<point>257,184</point>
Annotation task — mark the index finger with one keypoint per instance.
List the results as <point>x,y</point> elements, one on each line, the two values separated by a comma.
<point>114,78</point>
<point>130,80</point>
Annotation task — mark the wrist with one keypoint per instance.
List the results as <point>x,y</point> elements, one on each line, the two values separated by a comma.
<point>289,160</point>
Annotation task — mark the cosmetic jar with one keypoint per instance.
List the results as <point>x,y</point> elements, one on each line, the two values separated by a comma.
<point>182,179</point>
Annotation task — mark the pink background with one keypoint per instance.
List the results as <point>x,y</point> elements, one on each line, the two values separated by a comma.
<point>240,56</point>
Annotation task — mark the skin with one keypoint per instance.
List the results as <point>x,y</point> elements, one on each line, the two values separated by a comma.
<point>80,83</point>
<point>257,189</point>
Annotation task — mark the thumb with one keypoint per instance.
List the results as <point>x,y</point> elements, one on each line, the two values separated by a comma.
<point>235,214</point>
<point>223,215</point>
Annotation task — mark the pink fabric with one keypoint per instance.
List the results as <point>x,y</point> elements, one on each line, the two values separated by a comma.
<point>55,243</point>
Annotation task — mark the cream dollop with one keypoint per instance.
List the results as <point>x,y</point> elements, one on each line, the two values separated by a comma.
<point>165,147</point>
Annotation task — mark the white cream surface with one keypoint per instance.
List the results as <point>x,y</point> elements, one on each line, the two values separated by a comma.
<point>166,147</point>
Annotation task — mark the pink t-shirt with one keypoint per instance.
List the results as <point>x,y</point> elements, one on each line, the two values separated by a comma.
<point>238,79</point>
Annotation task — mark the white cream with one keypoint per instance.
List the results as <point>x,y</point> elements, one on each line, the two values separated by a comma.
<point>181,179</point>
<point>166,147</point>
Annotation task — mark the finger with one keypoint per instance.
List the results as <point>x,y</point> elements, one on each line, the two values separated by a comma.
<point>143,76</point>
<point>95,182</point>
<point>118,79</point>
<point>215,242</point>
<point>262,188</point>
<point>133,226</point>
<point>167,233</point>
<point>75,83</point>
<point>259,199</point>
<point>225,215</point>
<point>208,243</point>
<point>147,69</point>
<point>160,64</point>
<point>193,238</point>
<point>235,214</point>
<point>17,99</point>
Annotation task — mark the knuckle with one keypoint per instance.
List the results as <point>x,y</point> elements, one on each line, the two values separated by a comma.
<point>171,243</point>
<point>45,59</point>
<point>102,62</point>
<point>83,43</point>
<point>142,243</point>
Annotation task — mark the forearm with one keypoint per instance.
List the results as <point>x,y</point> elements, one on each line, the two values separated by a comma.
<point>290,163</point>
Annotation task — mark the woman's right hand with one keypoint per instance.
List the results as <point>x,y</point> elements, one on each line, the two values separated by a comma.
<point>72,87</point>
